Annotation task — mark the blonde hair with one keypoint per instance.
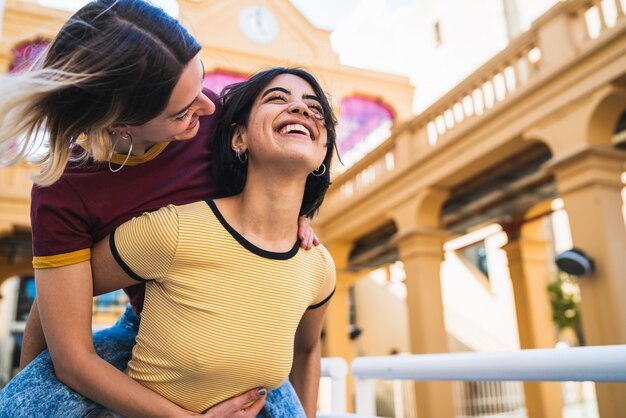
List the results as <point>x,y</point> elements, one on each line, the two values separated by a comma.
<point>24,123</point>
<point>114,61</point>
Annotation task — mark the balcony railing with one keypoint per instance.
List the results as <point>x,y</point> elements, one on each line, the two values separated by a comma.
<point>335,370</point>
<point>578,364</point>
<point>567,31</point>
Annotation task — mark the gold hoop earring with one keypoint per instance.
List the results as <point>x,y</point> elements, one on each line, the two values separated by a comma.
<point>243,158</point>
<point>126,137</point>
<point>316,171</point>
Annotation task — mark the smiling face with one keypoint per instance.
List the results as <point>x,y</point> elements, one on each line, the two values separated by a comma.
<point>179,120</point>
<point>282,119</point>
<point>286,127</point>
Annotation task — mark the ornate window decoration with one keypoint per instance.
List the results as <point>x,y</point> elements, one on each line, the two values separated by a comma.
<point>364,123</point>
<point>217,80</point>
<point>26,54</point>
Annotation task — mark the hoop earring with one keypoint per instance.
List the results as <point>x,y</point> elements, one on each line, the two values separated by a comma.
<point>243,158</point>
<point>322,167</point>
<point>127,137</point>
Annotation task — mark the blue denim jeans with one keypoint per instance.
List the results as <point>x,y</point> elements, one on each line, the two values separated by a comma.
<point>35,392</point>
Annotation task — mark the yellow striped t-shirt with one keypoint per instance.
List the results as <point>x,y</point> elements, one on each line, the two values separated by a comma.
<point>220,314</point>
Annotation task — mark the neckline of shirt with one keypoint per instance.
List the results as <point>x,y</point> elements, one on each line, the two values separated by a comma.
<point>247,244</point>
<point>153,152</point>
<point>149,155</point>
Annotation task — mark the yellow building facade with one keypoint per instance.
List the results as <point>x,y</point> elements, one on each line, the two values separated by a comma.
<point>543,119</point>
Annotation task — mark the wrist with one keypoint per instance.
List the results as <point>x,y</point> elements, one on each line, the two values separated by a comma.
<point>187,414</point>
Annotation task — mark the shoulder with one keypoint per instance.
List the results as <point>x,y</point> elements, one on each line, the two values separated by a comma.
<point>326,277</point>
<point>324,253</point>
<point>158,228</point>
<point>169,213</point>
<point>199,207</point>
<point>160,221</point>
<point>187,219</point>
<point>324,258</point>
<point>79,176</point>
<point>60,193</point>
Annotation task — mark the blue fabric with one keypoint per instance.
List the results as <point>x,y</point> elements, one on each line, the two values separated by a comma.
<point>282,402</point>
<point>35,392</point>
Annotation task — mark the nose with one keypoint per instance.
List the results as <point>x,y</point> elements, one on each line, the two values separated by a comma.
<point>300,107</point>
<point>205,105</point>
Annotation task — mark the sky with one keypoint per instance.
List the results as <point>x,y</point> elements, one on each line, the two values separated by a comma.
<point>329,14</point>
<point>324,14</point>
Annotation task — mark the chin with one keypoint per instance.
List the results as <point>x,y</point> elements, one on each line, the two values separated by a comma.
<point>186,135</point>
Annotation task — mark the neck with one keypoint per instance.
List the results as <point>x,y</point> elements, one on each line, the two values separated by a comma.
<point>266,212</point>
<point>122,147</point>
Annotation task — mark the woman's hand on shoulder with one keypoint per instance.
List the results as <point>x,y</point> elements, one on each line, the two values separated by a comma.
<point>307,237</point>
<point>247,405</point>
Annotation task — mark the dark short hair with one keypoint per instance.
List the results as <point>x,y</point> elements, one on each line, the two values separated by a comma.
<point>238,100</point>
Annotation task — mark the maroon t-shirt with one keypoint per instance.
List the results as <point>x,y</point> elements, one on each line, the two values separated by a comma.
<point>89,201</point>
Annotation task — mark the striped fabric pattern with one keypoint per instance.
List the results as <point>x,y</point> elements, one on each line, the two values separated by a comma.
<point>220,314</point>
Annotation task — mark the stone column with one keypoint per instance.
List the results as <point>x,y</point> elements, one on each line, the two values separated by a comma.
<point>420,245</point>
<point>526,253</point>
<point>589,182</point>
<point>422,254</point>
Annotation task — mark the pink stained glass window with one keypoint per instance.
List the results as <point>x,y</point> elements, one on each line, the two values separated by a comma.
<point>25,55</point>
<point>359,118</point>
<point>217,80</point>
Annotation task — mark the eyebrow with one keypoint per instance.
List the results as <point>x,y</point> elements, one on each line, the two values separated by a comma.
<point>186,108</point>
<point>284,90</point>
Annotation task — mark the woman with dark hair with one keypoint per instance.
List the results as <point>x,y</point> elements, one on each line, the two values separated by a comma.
<point>228,170</point>
<point>129,128</point>
<point>229,273</point>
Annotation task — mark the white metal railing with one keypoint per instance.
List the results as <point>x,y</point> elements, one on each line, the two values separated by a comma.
<point>599,364</point>
<point>336,369</point>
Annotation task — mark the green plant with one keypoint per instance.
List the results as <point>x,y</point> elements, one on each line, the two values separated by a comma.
<point>565,300</point>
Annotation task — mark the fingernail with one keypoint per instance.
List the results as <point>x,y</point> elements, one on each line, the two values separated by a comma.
<point>262,391</point>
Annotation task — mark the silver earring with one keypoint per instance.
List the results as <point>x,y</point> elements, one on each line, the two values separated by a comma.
<point>243,158</point>
<point>126,137</point>
<point>316,172</point>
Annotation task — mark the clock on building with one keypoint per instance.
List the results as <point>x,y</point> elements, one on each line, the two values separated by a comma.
<point>258,24</point>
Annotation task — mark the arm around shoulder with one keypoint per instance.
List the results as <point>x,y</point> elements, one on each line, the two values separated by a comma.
<point>327,287</point>
<point>58,220</point>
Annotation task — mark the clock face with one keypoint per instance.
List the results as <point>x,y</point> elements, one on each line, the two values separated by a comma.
<point>258,24</point>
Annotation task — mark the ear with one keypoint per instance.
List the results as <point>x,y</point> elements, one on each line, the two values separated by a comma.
<point>239,139</point>
<point>118,127</point>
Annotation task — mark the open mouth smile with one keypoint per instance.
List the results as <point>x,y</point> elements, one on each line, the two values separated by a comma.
<point>295,129</point>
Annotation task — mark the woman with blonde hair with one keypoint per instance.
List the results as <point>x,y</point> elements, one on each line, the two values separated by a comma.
<point>128,129</point>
